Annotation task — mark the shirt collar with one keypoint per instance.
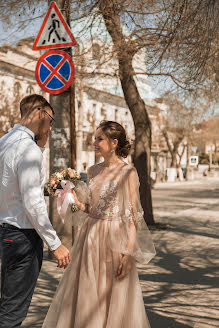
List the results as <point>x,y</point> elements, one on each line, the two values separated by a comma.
<point>25,129</point>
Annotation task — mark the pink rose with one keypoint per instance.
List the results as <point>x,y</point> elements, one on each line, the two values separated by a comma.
<point>63,173</point>
<point>52,182</point>
<point>71,173</point>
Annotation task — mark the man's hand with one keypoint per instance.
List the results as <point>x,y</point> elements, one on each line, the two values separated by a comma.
<point>62,255</point>
<point>124,266</point>
<point>42,139</point>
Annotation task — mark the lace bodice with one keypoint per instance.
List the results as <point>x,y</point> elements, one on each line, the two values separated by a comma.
<point>104,199</point>
<point>113,199</point>
<point>112,194</point>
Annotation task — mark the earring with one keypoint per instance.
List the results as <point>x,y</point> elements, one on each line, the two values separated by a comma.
<point>112,150</point>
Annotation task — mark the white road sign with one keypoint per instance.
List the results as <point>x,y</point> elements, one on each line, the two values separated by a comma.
<point>54,32</point>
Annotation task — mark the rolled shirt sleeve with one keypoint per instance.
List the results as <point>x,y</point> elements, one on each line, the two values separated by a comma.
<point>30,181</point>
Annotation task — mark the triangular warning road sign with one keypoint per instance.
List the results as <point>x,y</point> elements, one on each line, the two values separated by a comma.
<point>54,32</point>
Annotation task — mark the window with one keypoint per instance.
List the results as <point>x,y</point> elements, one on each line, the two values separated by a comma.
<point>29,90</point>
<point>116,114</point>
<point>84,166</point>
<point>96,51</point>
<point>87,141</point>
<point>103,113</point>
<point>17,89</point>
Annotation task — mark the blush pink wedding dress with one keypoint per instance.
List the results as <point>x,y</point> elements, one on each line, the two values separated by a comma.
<point>89,294</point>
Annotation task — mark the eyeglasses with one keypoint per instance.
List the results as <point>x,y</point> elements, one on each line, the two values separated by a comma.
<point>52,119</point>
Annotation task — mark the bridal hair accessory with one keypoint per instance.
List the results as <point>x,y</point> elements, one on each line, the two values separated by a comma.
<point>61,184</point>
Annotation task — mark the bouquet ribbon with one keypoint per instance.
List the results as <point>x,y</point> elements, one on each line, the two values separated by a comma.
<point>64,198</point>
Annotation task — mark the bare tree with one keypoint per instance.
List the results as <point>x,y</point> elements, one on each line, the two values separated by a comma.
<point>170,32</point>
<point>207,133</point>
<point>179,126</point>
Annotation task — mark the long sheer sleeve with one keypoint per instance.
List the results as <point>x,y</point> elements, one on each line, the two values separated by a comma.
<point>133,237</point>
<point>77,218</point>
<point>83,194</point>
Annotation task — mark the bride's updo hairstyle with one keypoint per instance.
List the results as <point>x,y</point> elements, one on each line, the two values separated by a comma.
<point>114,130</point>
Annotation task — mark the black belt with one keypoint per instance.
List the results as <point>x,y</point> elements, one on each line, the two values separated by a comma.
<point>8,226</point>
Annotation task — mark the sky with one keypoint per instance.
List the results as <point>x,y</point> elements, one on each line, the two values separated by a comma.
<point>11,33</point>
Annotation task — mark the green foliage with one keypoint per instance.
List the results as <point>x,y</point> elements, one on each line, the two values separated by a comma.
<point>215,159</point>
<point>203,158</point>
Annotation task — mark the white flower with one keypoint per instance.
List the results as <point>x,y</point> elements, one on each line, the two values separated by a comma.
<point>106,186</point>
<point>102,193</point>
<point>104,190</point>
<point>140,215</point>
<point>102,203</point>
<point>99,212</point>
<point>127,212</point>
<point>113,186</point>
<point>115,209</point>
<point>58,175</point>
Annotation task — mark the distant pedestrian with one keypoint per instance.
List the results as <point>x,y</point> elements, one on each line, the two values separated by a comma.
<point>205,172</point>
<point>24,222</point>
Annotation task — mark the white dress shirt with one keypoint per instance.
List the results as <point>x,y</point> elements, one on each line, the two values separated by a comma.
<point>22,178</point>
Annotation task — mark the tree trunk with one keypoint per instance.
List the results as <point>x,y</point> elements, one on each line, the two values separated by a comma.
<point>142,152</point>
<point>173,149</point>
<point>173,159</point>
<point>135,103</point>
<point>181,155</point>
<point>188,168</point>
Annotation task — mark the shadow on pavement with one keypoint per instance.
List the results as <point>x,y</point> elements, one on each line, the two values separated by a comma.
<point>201,194</point>
<point>192,232</point>
<point>186,293</point>
<point>159,321</point>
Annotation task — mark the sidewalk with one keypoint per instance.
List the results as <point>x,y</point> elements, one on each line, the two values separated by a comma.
<point>197,181</point>
<point>180,285</point>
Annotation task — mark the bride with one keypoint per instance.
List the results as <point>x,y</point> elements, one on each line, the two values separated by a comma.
<point>100,287</point>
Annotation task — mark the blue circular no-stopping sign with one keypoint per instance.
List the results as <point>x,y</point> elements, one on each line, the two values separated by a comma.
<point>54,71</point>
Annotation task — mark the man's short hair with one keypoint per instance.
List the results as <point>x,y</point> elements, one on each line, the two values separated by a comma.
<point>29,103</point>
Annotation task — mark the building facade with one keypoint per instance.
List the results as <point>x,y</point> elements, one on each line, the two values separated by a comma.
<point>94,102</point>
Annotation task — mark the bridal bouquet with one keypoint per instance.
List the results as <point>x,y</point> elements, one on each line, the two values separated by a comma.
<point>61,184</point>
<point>55,181</point>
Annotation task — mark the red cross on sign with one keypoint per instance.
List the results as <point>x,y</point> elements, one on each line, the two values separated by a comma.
<point>54,71</point>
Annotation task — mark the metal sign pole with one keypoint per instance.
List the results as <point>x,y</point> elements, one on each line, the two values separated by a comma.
<point>62,138</point>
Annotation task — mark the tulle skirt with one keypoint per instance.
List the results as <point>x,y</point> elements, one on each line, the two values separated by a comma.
<point>89,294</point>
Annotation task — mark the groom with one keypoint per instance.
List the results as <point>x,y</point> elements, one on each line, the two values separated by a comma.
<point>24,222</point>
